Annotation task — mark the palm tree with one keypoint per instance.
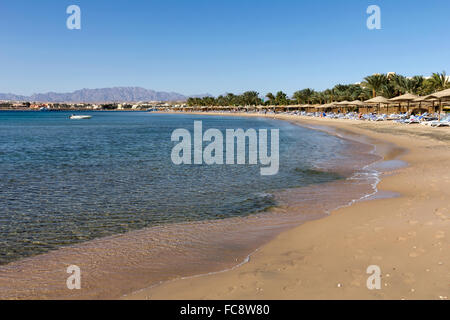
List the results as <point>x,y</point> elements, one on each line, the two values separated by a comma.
<point>375,82</point>
<point>399,83</point>
<point>328,95</point>
<point>365,94</point>
<point>271,98</point>
<point>250,98</point>
<point>190,102</point>
<point>388,90</point>
<point>303,96</point>
<point>440,81</point>
<point>309,93</point>
<point>298,97</point>
<point>408,85</point>
<point>355,92</point>
<point>427,87</point>
<point>342,92</point>
<point>319,97</point>
<point>221,101</point>
<point>230,99</point>
<point>415,84</point>
<point>281,98</point>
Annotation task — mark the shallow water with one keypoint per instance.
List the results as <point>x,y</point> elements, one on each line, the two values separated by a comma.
<point>64,181</point>
<point>111,179</point>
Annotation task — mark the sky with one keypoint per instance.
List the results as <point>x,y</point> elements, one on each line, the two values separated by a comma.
<point>216,46</point>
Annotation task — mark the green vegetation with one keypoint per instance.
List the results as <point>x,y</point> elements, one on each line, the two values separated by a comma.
<point>248,98</point>
<point>387,85</point>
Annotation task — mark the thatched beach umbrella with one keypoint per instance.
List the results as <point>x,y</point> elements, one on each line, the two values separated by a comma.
<point>326,106</point>
<point>378,101</point>
<point>344,103</point>
<point>441,96</point>
<point>357,103</point>
<point>422,99</point>
<point>408,97</point>
<point>405,97</point>
<point>307,107</point>
<point>304,106</point>
<point>425,100</point>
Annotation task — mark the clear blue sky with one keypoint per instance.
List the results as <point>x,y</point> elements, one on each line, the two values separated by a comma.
<point>216,46</point>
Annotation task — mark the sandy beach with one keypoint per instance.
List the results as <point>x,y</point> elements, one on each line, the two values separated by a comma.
<point>407,236</point>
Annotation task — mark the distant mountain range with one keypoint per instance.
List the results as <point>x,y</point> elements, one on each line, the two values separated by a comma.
<point>116,94</point>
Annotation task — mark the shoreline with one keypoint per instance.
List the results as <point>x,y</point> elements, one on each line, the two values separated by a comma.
<point>247,259</point>
<point>262,277</point>
<point>228,234</point>
<point>364,197</point>
<point>341,134</point>
<point>263,257</point>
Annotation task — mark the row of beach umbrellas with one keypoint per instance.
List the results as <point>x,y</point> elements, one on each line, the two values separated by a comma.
<point>408,98</point>
<point>405,98</point>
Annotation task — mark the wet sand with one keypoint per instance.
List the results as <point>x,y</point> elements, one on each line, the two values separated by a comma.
<point>406,236</point>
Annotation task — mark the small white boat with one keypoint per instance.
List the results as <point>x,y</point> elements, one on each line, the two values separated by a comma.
<point>79,117</point>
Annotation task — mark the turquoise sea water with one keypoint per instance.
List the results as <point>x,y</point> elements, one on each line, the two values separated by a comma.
<point>63,181</point>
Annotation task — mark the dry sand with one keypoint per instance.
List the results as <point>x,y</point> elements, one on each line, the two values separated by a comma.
<point>406,236</point>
